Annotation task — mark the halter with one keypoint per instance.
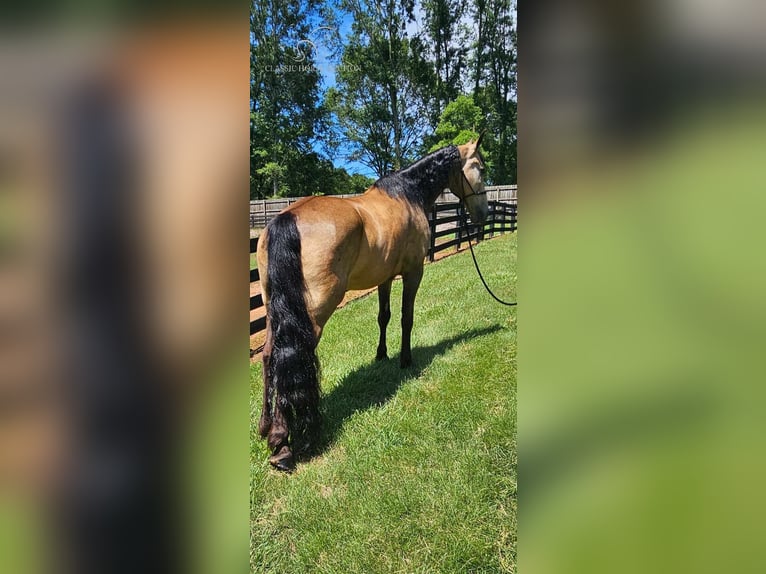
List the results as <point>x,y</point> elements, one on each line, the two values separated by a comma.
<point>473,191</point>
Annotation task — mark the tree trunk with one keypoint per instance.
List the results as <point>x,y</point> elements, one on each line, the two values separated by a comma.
<point>479,46</point>
<point>392,91</point>
<point>397,127</point>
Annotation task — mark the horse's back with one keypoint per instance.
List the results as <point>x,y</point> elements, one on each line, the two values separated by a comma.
<point>368,238</point>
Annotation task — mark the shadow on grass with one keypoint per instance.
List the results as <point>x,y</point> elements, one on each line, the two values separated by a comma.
<point>375,383</point>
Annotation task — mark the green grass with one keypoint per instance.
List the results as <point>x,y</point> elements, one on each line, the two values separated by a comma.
<point>417,470</point>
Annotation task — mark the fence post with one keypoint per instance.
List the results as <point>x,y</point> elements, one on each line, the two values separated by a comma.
<point>432,226</point>
<point>513,211</point>
<point>459,233</point>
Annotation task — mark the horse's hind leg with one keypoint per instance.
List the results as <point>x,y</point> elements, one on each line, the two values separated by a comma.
<point>410,284</point>
<point>384,315</point>
<point>278,442</point>
<point>264,424</point>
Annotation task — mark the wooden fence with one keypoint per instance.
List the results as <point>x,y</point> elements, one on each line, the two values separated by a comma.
<point>262,210</point>
<point>444,221</point>
<point>256,301</point>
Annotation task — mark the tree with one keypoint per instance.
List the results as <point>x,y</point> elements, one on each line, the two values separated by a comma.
<point>494,64</point>
<point>383,86</point>
<point>447,50</point>
<point>461,121</point>
<point>284,94</point>
<point>396,96</point>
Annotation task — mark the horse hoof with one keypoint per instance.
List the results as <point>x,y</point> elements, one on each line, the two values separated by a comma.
<point>283,466</point>
<point>405,363</point>
<point>283,461</point>
<point>380,357</point>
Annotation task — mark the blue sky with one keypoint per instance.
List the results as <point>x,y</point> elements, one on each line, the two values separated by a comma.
<point>326,66</point>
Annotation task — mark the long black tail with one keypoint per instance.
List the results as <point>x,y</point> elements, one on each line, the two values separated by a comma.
<point>294,365</point>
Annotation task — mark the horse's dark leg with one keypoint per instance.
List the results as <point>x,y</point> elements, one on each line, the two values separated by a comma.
<point>282,459</point>
<point>264,425</point>
<point>384,315</point>
<point>410,284</point>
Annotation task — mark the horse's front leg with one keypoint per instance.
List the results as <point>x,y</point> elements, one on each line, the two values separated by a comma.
<point>410,284</point>
<point>384,315</point>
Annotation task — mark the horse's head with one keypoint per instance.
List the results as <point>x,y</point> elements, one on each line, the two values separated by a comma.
<point>470,188</point>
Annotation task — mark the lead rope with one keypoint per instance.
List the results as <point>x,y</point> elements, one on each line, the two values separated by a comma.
<point>464,220</point>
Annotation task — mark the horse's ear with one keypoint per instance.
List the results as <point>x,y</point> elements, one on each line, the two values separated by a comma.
<point>478,141</point>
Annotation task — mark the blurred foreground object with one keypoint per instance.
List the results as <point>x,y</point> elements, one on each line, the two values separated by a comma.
<point>124,190</point>
<point>642,310</point>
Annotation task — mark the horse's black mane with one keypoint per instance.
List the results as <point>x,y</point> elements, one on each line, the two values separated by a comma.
<point>423,181</point>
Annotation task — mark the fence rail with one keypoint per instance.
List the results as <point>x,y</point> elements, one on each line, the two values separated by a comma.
<point>444,221</point>
<point>263,210</point>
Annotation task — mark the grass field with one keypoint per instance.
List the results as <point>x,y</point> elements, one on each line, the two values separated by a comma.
<point>417,469</point>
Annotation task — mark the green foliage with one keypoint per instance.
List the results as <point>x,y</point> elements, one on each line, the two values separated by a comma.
<point>359,183</point>
<point>461,121</point>
<point>419,470</point>
<point>337,181</point>
<point>383,86</point>
<point>448,48</point>
<point>494,89</point>
<point>284,95</point>
<point>273,175</point>
<point>398,94</point>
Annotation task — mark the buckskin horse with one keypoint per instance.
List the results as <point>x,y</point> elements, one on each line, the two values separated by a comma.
<point>318,248</point>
